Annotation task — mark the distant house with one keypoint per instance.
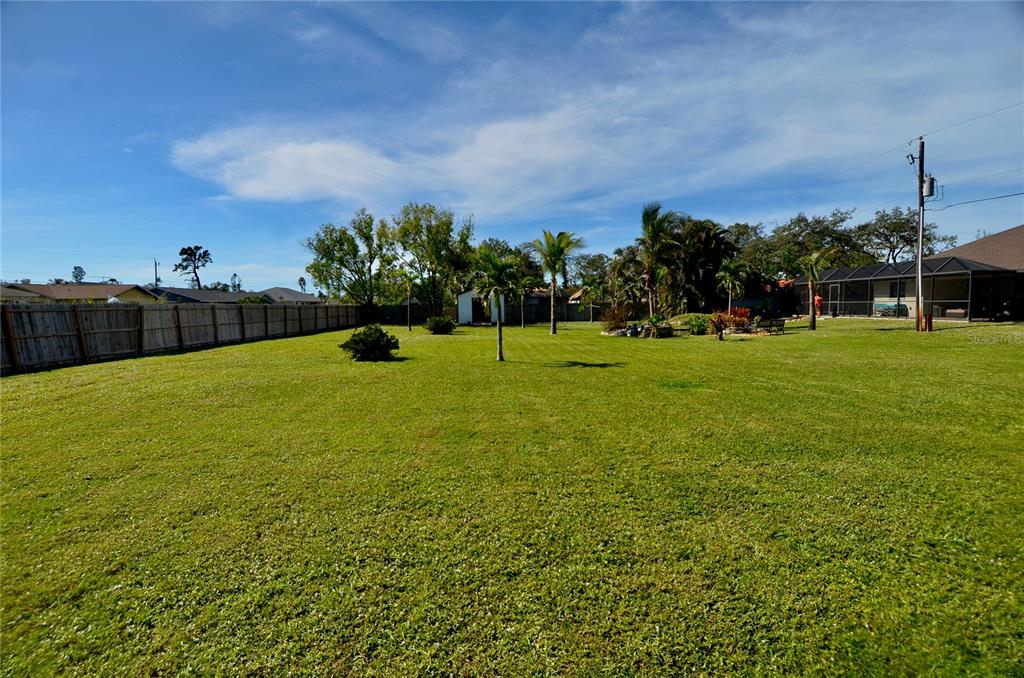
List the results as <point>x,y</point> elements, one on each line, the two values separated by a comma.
<point>81,293</point>
<point>13,295</point>
<point>187,295</point>
<point>286,295</point>
<point>982,280</point>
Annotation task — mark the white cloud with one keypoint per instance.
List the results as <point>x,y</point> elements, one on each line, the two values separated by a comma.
<point>656,103</point>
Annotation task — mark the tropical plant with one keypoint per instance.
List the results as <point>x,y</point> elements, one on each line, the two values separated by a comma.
<point>371,344</point>
<point>496,276</point>
<point>653,246</point>
<point>730,280</point>
<point>812,265</point>
<point>554,251</point>
<point>439,325</point>
<point>522,284</point>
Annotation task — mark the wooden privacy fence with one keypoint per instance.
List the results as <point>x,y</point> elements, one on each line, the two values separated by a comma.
<point>42,336</point>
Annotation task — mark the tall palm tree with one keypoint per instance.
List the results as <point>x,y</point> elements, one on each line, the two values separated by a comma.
<point>495,277</point>
<point>730,279</point>
<point>812,265</point>
<point>554,251</point>
<point>653,244</point>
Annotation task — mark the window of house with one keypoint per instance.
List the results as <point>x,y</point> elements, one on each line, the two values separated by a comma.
<point>898,292</point>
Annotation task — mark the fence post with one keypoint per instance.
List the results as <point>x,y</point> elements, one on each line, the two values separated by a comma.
<point>142,330</point>
<point>216,331</point>
<point>285,308</point>
<point>241,319</point>
<point>83,345</point>
<point>299,309</point>
<point>177,323</point>
<point>12,339</point>
<point>266,321</point>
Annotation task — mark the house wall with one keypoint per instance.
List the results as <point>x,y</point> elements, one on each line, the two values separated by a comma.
<point>136,297</point>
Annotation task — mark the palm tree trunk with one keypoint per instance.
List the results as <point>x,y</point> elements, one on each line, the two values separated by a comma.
<point>729,310</point>
<point>554,327</point>
<point>522,311</point>
<point>650,298</point>
<point>810,304</point>
<point>501,353</point>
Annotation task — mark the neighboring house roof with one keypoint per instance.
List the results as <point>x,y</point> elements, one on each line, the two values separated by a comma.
<point>288,295</point>
<point>80,291</point>
<point>189,295</point>
<point>1003,250</point>
<point>21,296</point>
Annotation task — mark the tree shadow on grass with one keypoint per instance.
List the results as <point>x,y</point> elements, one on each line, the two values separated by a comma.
<point>578,363</point>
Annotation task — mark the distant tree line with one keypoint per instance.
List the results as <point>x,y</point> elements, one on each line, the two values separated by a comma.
<point>678,263</point>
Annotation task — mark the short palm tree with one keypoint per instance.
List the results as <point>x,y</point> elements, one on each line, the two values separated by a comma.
<point>653,245</point>
<point>495,278</point>
<point>554,251</point>
<point>812,265</point>
<point>521,286</point>
<point>730,279</point>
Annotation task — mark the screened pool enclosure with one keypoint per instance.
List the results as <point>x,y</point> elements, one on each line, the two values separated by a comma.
<point>953,288</point>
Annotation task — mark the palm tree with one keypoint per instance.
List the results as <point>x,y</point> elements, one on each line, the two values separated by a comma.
<point>653,243</point>
<point>496,276</point>
<point>594,291</point>
<point>554,253</point>
<point>812,265</point>
<point>521,286</point>
<point>730,279</point>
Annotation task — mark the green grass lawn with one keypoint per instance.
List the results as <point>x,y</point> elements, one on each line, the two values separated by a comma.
<point>848,501</point>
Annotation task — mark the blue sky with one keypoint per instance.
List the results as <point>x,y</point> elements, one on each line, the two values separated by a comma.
<point>129,130</point>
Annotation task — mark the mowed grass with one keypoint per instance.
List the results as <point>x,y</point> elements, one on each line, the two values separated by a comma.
<point>841,502</point>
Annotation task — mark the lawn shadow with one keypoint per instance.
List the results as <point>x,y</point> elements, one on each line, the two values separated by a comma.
<point>579,363</point>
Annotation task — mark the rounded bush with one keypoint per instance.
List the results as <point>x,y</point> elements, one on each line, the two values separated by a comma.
<point>371,344</point>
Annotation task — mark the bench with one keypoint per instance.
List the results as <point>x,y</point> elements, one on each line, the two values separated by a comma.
<point>771,326</point>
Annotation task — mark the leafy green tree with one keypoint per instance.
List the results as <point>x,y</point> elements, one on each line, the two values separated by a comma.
<point>193,258</point>
<point>496,276</point>
<point>438,253</point>
<point>730,279</point>
<point>218,286</point>
<point>553,251</point>
<point>812,265</point>
<point>302,284</point>
<point>653,246</point>
<point>803,235</point>
<point>78,274</point>
<point>352,261</point>
<point>892,236</point>
<point>586,266</point>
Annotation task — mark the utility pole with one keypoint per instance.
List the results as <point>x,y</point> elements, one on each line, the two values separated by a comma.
<point>156,273</point>
<point>918,285</point>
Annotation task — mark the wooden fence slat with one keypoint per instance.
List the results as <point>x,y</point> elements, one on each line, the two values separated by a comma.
<point>83,346</point>
<point>12,338</point>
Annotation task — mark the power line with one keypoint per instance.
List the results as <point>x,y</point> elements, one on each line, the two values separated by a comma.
<point>968,202</point>
<point>964,122</point>
<point>983,176</point>
<point>75,254</point>
<point>913,139</point>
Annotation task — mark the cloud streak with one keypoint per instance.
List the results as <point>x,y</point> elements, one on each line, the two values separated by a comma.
<point>650,101</point>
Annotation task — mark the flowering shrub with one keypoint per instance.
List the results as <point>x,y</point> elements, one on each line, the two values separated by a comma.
<point>741,311</point>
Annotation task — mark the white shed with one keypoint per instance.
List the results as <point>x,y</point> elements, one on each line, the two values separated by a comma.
<point>471,309</point>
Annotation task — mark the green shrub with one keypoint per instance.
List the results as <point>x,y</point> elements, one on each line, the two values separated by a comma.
<point>371,344</point>
<point>697,322</point>
<point>615,318</point>
<point>439,325</point>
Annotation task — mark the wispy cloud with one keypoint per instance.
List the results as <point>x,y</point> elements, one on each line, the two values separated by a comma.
<point>653,101</point>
